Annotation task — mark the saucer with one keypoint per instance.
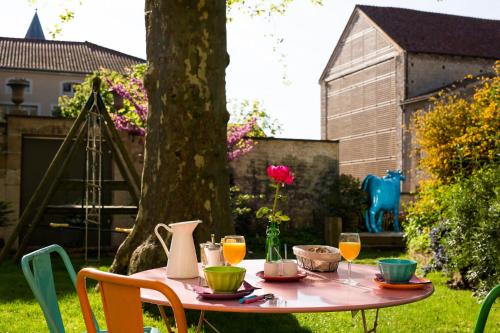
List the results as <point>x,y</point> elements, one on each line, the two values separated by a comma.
<point>207,293</point>
<point>299,276</point>
<point>237,295</point>
<point>414,283</point>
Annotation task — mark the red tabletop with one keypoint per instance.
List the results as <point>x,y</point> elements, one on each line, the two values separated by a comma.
<point>318,292</point>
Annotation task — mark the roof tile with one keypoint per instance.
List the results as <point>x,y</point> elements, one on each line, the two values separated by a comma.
<point>61,56</point>
<point>425,32</point>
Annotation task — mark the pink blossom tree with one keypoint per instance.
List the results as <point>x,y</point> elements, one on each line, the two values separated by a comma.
<point>133,120</point>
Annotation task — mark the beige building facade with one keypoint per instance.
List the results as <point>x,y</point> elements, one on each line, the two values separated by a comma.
<point>386,58</point>
<point>41,97</point>
<point>51,68</point>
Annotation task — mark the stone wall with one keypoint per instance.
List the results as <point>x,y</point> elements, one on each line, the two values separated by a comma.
<point>12,132</point>
<point>428,72</point>
<point>312,162</point>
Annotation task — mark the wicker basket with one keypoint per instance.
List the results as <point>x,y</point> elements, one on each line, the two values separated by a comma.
<point>313,261</point>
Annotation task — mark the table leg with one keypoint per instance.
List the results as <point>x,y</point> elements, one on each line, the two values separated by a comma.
<point>203,320</point>
<point>200,321</point>
<point>165,318</point>
<point>375,322</point>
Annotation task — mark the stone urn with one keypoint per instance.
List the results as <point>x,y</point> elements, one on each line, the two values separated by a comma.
<point>18,86</point>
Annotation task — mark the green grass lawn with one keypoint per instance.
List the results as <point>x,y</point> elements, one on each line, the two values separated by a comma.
<point>445,311</point>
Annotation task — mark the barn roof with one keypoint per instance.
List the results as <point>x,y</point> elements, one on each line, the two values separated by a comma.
<point>61,56</point>
<point>426,32</point>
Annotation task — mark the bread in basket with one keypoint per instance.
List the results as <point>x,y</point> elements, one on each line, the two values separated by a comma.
<point>319,258</point>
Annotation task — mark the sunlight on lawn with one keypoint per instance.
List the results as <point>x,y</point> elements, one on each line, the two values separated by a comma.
<point>445,311</point>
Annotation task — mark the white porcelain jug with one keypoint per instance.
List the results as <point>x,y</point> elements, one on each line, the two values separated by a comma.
<point>182,261</point>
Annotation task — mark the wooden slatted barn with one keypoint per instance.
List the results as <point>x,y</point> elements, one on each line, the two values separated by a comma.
<point>385,58</point>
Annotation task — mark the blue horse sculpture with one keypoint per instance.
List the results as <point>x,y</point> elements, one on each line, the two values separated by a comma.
<point>384,196</point>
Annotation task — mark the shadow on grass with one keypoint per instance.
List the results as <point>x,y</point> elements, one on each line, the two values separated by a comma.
<point>253,322</point>
<point>238,322</point>
<point>13,285</point>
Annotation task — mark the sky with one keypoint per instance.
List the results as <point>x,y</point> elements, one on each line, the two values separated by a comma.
<point>285,80</point>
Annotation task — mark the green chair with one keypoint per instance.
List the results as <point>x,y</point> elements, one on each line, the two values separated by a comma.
<point>484,311</point>
<point>37,269</point>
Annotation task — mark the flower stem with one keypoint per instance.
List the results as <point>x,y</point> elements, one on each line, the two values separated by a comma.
<point>275,200</point>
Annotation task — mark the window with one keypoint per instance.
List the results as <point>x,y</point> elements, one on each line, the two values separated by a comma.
<point>68,88</point>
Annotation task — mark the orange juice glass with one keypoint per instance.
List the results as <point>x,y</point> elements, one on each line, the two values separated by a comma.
<point>234,249</point>
<point>349,246</point>
<point>349,250</point>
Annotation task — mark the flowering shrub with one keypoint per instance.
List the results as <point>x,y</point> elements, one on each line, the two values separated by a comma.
<point>238,140</point>
<point>459,136</point>
<point>134,119</point>
<point>424,214</point>
<point>458,226</point>
<point>131,117</point>
<point>455,219</point>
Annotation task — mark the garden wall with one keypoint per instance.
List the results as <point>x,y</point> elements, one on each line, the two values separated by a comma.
<point>312,161</point>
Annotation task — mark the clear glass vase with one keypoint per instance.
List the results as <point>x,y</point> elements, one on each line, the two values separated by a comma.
<point>272,242</point>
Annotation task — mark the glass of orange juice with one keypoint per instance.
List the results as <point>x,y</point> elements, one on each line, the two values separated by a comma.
<point>349,246</point>
<point>234,249</point>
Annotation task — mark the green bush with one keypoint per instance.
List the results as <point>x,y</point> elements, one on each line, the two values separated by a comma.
<point>243,206</point>
<point>423,214</point>
<point>458,225</point>
<point>472,239</point>
<point>348,201</point>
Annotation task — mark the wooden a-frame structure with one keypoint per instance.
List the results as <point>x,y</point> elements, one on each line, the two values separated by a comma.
<point>38,204</point>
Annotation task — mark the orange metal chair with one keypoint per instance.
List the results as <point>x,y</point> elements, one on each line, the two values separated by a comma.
<point>122,302</point>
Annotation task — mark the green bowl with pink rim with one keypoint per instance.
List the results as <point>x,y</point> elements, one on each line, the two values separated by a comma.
<point>396,270</point>
<point>224,279</point>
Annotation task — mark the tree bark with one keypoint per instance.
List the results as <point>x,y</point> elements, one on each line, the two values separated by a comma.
<point>185,174</point>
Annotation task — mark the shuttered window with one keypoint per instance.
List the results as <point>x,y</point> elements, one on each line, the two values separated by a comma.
<point>361,114</point>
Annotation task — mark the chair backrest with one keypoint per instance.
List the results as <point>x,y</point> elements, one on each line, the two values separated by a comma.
<point>122,301</point>
<point>37,269</point>
<point>484,311</point>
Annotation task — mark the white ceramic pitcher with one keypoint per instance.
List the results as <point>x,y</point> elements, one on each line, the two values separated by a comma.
<point>182,261</point>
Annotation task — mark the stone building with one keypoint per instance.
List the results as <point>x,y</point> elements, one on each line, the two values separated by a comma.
<point>386,65</point>
<point>51,68</point>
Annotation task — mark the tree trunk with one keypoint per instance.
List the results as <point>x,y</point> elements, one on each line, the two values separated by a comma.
<point>185,174</point>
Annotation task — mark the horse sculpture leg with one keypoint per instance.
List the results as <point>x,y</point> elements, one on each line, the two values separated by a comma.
<point>373,214</point>
<point>396,214</point>
<point>367,220</point>
<point>379,221</point>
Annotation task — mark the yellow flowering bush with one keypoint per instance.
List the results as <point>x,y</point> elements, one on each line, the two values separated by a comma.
<point>458,135</point>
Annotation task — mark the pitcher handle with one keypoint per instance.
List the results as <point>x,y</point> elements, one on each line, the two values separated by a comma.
<point>160,238</point>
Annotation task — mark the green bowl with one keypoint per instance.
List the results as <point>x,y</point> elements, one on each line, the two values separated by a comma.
<point>224,279</point>
<point>397,270</point>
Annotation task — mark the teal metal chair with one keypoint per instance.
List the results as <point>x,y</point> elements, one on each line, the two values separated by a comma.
<point>484,311</point>
<point>37,269</point>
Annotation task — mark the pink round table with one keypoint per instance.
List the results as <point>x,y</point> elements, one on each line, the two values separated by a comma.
<point>317,292</point>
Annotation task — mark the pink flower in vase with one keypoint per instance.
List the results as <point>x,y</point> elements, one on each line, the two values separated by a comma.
<point>281,174</point>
